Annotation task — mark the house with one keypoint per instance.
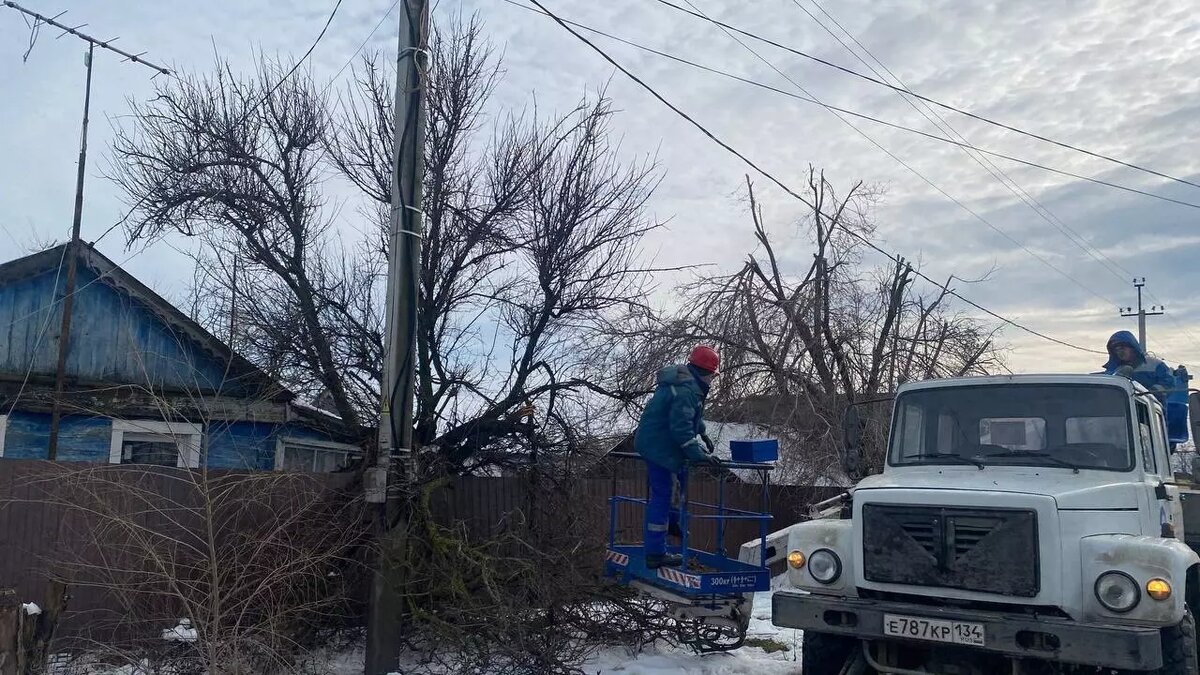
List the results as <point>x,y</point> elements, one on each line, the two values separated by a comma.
<point>145,383</point>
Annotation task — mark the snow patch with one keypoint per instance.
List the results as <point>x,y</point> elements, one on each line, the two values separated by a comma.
<point>31,608</point>
<point>751,659</point>
<point>180,633</point>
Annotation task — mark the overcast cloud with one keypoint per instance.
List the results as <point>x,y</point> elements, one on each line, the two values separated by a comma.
<point>1114,76</point>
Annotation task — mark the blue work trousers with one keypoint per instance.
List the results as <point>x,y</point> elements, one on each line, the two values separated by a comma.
<point>662,508</point>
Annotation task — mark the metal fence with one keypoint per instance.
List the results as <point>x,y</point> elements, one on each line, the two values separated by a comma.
<point>38,533</point>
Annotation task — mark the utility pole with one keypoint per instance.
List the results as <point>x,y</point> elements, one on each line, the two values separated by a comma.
<point>1142,313</point>
<point>72,252</point>
<point>385,623</point>
<point>64,333</point>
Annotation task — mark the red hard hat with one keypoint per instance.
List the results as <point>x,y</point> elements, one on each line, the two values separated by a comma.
<point>706,358</point>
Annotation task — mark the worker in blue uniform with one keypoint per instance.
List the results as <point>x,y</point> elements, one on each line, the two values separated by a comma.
<point>1127,357</point>
<point>669,437</point>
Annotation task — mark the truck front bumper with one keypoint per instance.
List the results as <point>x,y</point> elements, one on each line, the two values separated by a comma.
<point>1016,635</point>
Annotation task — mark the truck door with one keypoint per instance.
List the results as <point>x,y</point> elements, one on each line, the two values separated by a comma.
<point>1164,495</point>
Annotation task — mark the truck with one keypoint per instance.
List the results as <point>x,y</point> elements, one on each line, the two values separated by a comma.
<point>1021,524</point>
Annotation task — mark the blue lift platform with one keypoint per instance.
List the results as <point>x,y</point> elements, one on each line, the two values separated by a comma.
<point>709,587</point>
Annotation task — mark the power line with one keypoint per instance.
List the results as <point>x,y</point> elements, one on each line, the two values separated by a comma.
<point>307,53</point>
<point>939,122</point>
<point>927,99</point>
<point>286,76</point>
<point>776,90</point>
<point>363,45</point>
<point>900,127</point>
<point>918,174</point>
<point>1116,269</point>
<point>789,190</point>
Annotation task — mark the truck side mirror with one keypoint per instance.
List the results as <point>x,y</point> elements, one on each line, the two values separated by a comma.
<point>1194,406</point>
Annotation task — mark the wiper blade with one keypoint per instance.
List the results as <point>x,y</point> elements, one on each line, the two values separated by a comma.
<point>1037,454</point>
<point>952,457</point>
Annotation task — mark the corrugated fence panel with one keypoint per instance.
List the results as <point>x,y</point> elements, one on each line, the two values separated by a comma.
<point>37,534</point>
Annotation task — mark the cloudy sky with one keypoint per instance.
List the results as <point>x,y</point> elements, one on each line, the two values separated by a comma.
<point>1117,77</point>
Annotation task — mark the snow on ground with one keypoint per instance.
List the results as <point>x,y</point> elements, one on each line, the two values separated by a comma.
<point>749,660</point>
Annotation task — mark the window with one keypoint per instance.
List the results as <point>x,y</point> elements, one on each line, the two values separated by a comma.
<point>1158,432</point>
<point>1052,425</point>
<point>310,455</point>
<point>1095,429</point>
<point>157,443</point>
<point>3,427</point>
<point>912,430</point>
<point>1145,436</point>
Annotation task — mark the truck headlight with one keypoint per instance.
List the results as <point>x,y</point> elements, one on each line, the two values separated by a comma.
<point>825,566</point>
<point>1117,591</point>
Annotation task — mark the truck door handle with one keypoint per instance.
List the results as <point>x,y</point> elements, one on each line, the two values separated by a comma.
<point>1160,493</point>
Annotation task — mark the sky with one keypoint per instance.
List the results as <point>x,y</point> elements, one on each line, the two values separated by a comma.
<point>1055,254</point>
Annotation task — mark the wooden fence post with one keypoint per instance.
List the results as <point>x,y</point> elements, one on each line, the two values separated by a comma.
<point>10,626</point>
<point>37,631</point>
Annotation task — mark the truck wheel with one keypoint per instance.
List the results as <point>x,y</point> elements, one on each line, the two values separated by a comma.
<point>1179,648</point>
<point>823,654</point>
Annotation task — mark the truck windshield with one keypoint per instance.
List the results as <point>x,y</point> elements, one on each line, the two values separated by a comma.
<point>1070,426</point>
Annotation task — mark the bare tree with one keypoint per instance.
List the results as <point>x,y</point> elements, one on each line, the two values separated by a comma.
<point>532,234</point>
<point>212,572</point>
<point>800,345</point>
<point>239,161</point>
<point>534,229</point>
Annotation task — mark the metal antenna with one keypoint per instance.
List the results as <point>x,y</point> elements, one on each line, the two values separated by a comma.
<point>74,248</point>
<point>103,44</point>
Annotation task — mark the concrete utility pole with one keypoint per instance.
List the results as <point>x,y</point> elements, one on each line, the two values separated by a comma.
<point>1141,313</point>
<point>385,622</point>
<point>72,253</point>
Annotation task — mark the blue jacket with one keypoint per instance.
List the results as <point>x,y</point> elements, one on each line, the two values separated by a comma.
<point>1150,372</point>
<point>674,417</point>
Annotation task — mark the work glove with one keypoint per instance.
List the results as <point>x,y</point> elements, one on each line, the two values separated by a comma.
<point>717,468</point>
<point>708,443</point>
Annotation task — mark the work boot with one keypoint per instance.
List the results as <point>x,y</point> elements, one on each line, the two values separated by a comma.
<point>657,560</point>
<point>673,530</point>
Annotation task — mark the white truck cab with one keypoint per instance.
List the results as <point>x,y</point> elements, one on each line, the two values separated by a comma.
<point>1025,523</point>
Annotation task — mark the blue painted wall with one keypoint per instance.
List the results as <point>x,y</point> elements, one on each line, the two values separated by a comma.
<point>251,445</point>
<point>231,445</point>
<point>241,445</point>
<point>114,338</point>
<point>80,439</point>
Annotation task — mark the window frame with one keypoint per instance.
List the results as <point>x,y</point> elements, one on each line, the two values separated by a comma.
<point>1149,454</point>
<point>896,460</point>
<point>194,434</point>
<point>1158,439</point>
<point>283,442</point>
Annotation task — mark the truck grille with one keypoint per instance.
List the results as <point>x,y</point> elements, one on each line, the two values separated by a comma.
<point>987,550</point>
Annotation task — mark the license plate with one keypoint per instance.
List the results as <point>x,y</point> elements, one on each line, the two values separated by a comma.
<point>935,630</point>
